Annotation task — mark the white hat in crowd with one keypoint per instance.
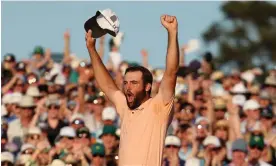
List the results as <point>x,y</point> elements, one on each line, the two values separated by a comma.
<point>172,140</point>
<point>109,113</point>
<point>27,146</point>
<point>27,101</point>
<point>7,156</point>
<point>200,119</point>
<point>67,132</point>
<point>211,140</point>
<point>251,105</point>
<point>34,130</point>
<point>33,91</point>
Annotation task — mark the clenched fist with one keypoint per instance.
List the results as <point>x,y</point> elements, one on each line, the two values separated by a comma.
<point>170,23</point>
<point>90,42</point>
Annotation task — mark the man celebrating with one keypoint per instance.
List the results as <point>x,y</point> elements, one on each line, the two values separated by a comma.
<point>144,120</point>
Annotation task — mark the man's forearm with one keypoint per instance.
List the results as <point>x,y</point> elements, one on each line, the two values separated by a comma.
<point>172,59</point>
<point>102,76</point>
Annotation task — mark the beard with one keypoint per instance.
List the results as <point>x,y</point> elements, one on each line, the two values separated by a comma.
<point>134,101</point>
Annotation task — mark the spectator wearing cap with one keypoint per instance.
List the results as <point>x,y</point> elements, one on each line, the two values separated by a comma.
<point>64,141</point>
<point>264,99</point>
<point>19,127</point>
<point>34,92</point>
<point>32,79</point>
<point>185,133</point>
<point>77,121</point>
<point>256,147</point>
<point>53,123</point>
<point>39,59</point>
<point>21,68</point>
<point>214,153</point>
<point>186,113</point>
<point>98,152</point>
<point>34,136</point>
<point>93,114</point>
<point>7,159</point>
<point>252,110</point>
<point>267,121</point>
<point>221,130</point>
<point>172,146</point>
<point>202,128</point>
<point>239,153</point>
<point>109,139</point>
<point>7,68</point>
<point>220,108</point>
<point>11,102</point>
<point>83,136</point>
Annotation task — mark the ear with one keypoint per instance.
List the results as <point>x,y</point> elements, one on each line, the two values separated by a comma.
<point>148,87</point>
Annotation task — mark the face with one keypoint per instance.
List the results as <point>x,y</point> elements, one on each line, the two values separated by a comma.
<point>253,114</point>
<point>202,129</point>
<point>98,160</point>
<point>255,152</point>
<point>26,112</point>
<point>43,157</point>
<point>134,89</point>
<point>267,122</point>
<point>33,139</point>
<point>171,149</point>
<point>186,136</point>
<point>222,133</point>
<point>219,113</point>
<point>109,141</point>
<point>238,157</point>
<point>53,111</point>
<point>77,123</point>
<point>186,114</point>
<point>83,138</point>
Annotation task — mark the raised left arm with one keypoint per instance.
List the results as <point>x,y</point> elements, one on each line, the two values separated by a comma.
<point>167,87</point>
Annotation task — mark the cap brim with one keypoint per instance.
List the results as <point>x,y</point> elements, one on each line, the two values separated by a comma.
<point>92,24</point>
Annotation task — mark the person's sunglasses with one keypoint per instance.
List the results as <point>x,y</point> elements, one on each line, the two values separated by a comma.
<point>223,110</point>
<point>28,152</point>
<point>215,149</point>
<point>222,128</point>
<point>256,147</point>
<point>171,146</point>
<point>54,107</point>
<point>83,135</point>
<point>70,138</point>
<point>98,155</point>
<point>34,137</point>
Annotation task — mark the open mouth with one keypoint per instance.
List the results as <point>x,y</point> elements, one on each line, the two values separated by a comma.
<point>130,97</point>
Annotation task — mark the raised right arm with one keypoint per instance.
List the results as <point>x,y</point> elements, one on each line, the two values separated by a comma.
<point>103,78</point>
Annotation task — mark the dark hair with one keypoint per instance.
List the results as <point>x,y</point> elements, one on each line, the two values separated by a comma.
<point>146,74</point>
<point>184,127</point>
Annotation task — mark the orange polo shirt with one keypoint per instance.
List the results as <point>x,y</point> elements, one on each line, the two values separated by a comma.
<point>143,131</point>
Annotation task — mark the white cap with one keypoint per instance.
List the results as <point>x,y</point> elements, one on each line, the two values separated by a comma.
<point>211,140</point>
<point>27,146</point>
<point>201,118</point>
<point>239,88</point>
<point>7,156</point>
<point>248,76</point>
<point>109,113</point>
<point>7,98</point>
<point>108,20</point>
<point>16,98</point>
<point>24,158</point>
<point>77,116</point>
<point>67,132</point>
<point>172,140</point>
<point>34,130</point>
<point>57,162</point>
<point>33,91</point>
<point>239,100</point>
<point>251,105</point>
<point>27,101</point>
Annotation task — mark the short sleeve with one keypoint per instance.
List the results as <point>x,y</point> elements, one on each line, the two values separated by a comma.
<point>160,106</point>
<point>120,102</point>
